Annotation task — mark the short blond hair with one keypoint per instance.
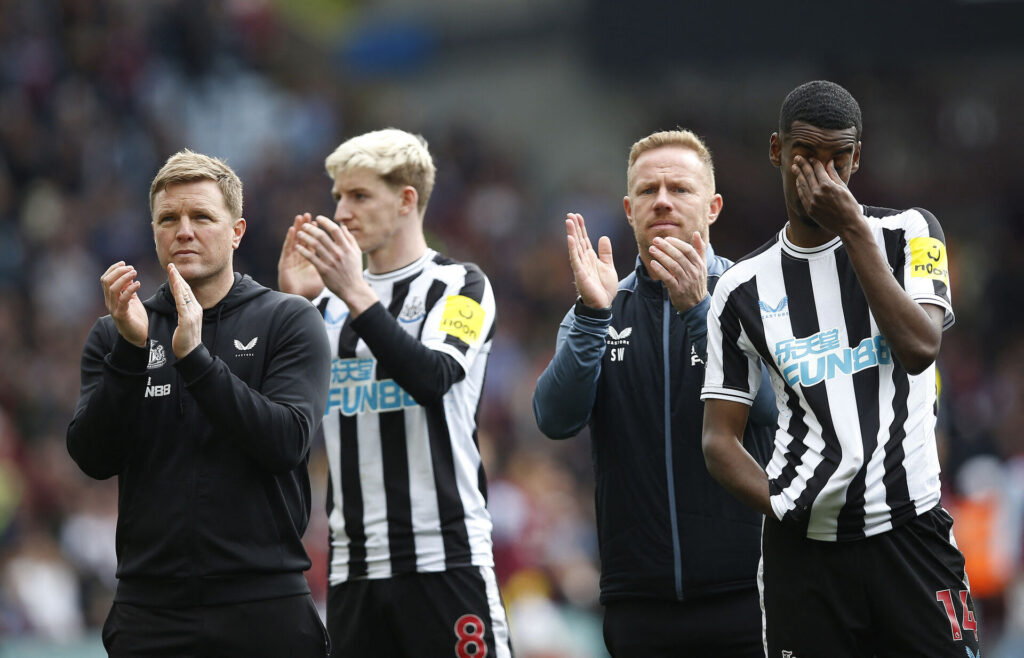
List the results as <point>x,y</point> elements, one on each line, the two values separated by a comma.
<point>679,137</point>
<point>187,166</point>
<point>398,157</point>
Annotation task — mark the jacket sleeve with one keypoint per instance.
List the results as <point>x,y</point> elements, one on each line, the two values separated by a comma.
<point>274,425</point>
<point>113,382</point>
<point>565,393</point>
<point>696,322</point>
<point>424,373</point>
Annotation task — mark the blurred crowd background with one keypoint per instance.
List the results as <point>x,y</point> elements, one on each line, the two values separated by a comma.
<point>529,107</point>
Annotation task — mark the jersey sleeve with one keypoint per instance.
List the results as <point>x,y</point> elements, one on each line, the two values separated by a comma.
<point>461,322</point>
<point>733,365</point>
<point>926,263</point>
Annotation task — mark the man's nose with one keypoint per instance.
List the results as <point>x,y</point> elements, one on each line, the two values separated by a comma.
<point>662,199</point>
<point>185,231</point>
<point>342,211</point>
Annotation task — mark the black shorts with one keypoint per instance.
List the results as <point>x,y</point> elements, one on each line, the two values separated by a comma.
<point>449,613</point>
<point>719,625</point>
<point>902,593</point>
<point>288,626</point>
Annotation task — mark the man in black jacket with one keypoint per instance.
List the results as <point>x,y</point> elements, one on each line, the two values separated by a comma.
<point>678,555</point>
<point>203,400</point>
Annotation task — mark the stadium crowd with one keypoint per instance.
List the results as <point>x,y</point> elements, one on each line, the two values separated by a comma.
<point>95,95</point>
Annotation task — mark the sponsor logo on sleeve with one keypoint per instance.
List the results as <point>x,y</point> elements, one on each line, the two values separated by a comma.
<point>928,259</point>
<point>463,318</point>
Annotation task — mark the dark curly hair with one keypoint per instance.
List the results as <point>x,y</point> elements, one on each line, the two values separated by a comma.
<point>822,104</point>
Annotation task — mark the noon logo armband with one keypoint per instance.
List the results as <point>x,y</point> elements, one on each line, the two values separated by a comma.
<point>463,318</point>
<point>928,259</point>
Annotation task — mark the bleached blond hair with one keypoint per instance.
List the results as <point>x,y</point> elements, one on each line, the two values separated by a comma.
<point>680,137</point>
<point>398,157</point>
<point>187,166</point>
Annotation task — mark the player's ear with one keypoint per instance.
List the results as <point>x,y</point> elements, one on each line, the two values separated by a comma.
<point>715,208</point>
<point>237,231</point>
<point>627,206</point>
<point>855,165</point>
<point>775,150</point>
<point>409,197</point>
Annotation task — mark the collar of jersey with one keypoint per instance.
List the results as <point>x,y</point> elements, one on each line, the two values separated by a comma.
<point>807,253</point>
<point>402,272</point>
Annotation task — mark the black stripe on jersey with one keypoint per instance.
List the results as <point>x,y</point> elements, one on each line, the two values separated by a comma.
<point>897,492</point>
<point>434,293</point>
<point>399,291</point>
<point>735,367</point>
<point>449,503</point>
<point>351,487</point>
<point>322,306</point>
<point>395,462</point>
<point>797,428</point>
<point>803,316</point>
<point>352,496</point>
<point>850,520</point>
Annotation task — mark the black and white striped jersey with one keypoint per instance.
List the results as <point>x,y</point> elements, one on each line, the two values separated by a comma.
<point>407,491</point>
<point>855,451</point>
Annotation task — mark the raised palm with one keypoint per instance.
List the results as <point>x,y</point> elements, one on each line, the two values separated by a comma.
<point>596,279</point>
<point>295,274</point>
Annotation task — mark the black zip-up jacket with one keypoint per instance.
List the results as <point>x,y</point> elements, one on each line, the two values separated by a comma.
<point>210,451</point>
<point>666,529</point>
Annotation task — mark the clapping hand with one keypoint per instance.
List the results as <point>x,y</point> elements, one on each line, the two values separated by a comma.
<point>189,332</point>
<point>295,274</point>
<point>120,294</point>
<point>683,268</point>
<point>596,280</point>
<point>333,251</point>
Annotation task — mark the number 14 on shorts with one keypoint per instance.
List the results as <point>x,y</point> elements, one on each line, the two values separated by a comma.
<point>945,597</point>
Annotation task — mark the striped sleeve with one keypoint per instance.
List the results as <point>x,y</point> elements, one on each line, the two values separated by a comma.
<point>460,313</point>
<point>733,366</point>
<point>926,263</point>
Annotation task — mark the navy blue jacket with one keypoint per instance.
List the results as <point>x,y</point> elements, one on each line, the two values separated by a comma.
<point>666,529</point>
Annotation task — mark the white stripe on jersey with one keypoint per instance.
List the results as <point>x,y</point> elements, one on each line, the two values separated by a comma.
<point>359,399</point>
<point>788,306</point>
<point>499,624</point>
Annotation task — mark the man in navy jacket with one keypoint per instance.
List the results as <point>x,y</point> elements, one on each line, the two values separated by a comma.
<point>203,401</point>
<point>678,555</point>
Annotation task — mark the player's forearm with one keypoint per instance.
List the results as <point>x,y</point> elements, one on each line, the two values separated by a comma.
<point>733,467</point>
<point>912,336</point>
<point>423,373</point>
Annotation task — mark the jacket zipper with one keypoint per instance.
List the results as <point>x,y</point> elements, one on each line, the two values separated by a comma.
<point>666,309</point>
